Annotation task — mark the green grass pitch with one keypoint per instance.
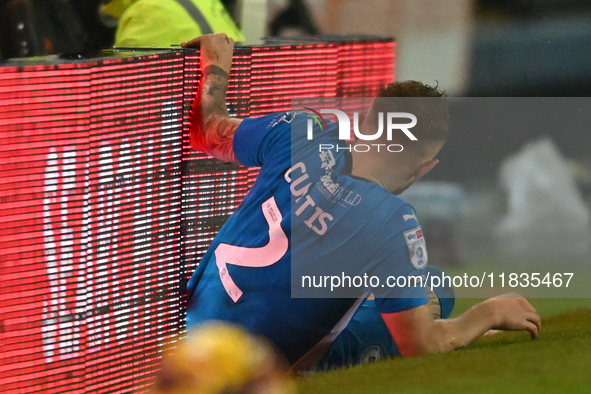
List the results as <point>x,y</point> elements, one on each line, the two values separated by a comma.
<point>509,362</point>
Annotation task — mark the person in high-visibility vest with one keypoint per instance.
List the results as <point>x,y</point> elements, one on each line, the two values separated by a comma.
<point>162,23</point>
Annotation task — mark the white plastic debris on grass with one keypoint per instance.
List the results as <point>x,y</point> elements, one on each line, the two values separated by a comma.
<point>547,220</point>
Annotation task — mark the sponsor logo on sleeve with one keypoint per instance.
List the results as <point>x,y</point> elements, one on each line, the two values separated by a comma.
<point>409,217</point>
<point>417,249</point>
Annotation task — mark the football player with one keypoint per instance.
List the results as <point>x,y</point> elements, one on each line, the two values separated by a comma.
<point>300,208</point>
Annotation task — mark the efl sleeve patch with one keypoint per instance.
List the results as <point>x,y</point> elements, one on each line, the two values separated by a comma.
<point>417,248</point>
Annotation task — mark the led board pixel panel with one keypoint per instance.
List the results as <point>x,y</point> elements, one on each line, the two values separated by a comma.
<point>91,157</point>
<point>134,197</point>
<point>106,210</point>
<point>43,155</point>
<point>361,67</point>
<point>286,71</point>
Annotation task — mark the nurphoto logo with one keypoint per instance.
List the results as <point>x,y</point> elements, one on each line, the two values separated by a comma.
<point>344,124</point>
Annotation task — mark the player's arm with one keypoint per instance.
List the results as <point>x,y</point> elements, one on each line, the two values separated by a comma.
<point>212,129</point>
<point>416,332</point>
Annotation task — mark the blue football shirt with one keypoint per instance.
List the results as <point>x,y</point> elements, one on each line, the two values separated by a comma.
<point>306,207</point>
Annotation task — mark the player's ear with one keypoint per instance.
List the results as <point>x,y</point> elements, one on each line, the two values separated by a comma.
<point>425,168</point>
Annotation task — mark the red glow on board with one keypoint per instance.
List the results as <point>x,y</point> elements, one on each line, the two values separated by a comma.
<point>104,207</point>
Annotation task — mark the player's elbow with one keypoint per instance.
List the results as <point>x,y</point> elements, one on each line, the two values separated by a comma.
<point>203,135</point>
<point>197,128</point>
<point>214,136</point>
<point>416,332</point>
<point>425,347</point>
<point>434,340</point>
<point>197,138</point>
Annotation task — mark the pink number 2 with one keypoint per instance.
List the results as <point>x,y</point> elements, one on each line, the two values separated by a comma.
<point>253,257</point>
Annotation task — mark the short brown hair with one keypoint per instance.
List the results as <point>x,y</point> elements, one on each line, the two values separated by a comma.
<point>410,89</point>
<point>432,113</point>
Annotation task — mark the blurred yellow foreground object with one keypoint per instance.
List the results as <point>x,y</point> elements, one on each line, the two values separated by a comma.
<point>218,358</point>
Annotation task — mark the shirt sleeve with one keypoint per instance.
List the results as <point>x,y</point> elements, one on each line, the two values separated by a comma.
<point>403,270</point>
<point>257,138</point>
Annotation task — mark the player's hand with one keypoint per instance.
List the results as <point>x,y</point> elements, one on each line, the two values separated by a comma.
<point>216,50</point>
<point>513,312</point>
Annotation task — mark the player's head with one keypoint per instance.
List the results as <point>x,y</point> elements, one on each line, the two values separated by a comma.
<point>397,171</point>
<point>427,102</point>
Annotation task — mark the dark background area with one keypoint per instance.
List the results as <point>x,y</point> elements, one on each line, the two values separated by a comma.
<point>484,131</point>
<point>99,35</point>
<point>524,9</point>
<point>523,48</point>
<point>56,19</point>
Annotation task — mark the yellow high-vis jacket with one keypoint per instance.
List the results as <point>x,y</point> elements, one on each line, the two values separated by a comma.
<point>162,23</point>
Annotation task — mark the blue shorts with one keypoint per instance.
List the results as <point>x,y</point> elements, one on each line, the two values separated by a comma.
<point>366,338</point>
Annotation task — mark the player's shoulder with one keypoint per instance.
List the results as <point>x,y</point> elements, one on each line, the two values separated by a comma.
<point>281,121</point>
<point>393,209</point>
<point>377,196</point>
<point>401,212</point>
<point>379,205</point>
<point>398,202</point>
<point>298,118</point>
